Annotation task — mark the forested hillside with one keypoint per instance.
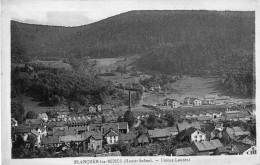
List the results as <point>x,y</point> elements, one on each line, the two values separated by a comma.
<point>173,42</point>
<point>137,32</point>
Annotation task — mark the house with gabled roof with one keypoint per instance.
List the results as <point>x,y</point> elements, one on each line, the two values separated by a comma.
<point>143,139</point>
<point>94,141</point>
<point>192,135</point>
<point>209,99</point>
<point>51,141</point>
<point>211,131</point>
<point>159,134</point>
<point>64,132</point>
<point>242,147</point>
<point>22,131</point>
<point>227,150</point>
<point>173,103</point>
<point>173,130</point>
<point>247,139</point>
<point>204,119</point>
<point>123,127</point>
<point>128,137</point>
<point>186,124</point>
<point>206,147</point>
<point>110,126</point>
<point>187,100</point>
<point>111,137</point>
<point>196,102</point>
<point>233,133</point>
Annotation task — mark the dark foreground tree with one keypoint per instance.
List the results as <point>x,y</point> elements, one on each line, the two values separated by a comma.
<point>129,118</point>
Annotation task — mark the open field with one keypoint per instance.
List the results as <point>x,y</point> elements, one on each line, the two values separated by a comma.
<point>52,64</point>
<point>31,105</point>
<point>107,64</point>
<point>190,87</point>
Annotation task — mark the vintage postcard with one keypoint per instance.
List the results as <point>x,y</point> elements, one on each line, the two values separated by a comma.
<point>129,82</point>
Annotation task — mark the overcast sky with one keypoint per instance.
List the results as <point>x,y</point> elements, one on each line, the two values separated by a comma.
<point>81,12</point>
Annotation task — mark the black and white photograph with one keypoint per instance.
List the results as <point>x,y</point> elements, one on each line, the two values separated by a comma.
<point>150,81</point>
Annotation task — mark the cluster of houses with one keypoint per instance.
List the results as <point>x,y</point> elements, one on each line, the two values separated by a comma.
<point>195,102</point>
<point>214,139</point>
<point>203,130</point>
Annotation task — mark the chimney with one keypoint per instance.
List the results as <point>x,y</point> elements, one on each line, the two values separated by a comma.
<point>130,100</point>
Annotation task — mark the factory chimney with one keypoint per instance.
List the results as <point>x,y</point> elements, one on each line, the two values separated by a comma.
<point>130,100</point>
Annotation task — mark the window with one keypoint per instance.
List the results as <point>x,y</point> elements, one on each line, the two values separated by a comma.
<point>111,141</point>
<point>195,140</point>
<point>200,136</point>
<point>195,136</point>
<point>198,132</point>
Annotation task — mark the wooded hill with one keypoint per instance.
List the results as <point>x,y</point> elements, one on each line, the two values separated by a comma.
<point>173,42</point>
<point>138,32</point>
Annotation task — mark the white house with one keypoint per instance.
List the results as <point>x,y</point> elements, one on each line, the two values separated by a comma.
<point>197,136</point>
<point>111,137</point>
<point>209,99</point>
<point>99,108</point>
<point>196,102</point>
<point>194,135</point>
<point>173,103</point>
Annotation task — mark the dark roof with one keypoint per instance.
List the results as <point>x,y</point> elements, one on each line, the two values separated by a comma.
<point>228,149</point>
<point>172,129</point>
<point>184,151</point>
<point>207,127</point>
<point>69,138</point>
<point>83,128</point>
<point>185,125</point>
<point>59,128</point>
<point>108,126</point>
<point>50,140</point>
<point>22,129</point>
<point>94,127</point>
<point>95,134</point>
<point>241,146</point>
<point>33,121</point>
<point>106,107</point>
<point>242,137</point>
<point>203,118</point>
<point>34,132</point>
<point>208,145</point>
<point>123,125</point>
<point>111,133</point>
<point>143,139</point>
<point>190,131</point>
<point>127,137</point>
<point>159,133</point>
<point>65,132</point>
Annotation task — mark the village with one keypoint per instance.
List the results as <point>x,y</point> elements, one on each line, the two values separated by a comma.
<point>210,125</point>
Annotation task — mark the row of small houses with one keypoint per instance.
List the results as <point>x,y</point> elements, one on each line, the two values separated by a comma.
<point>192,101</point>
<point>229,114</point>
